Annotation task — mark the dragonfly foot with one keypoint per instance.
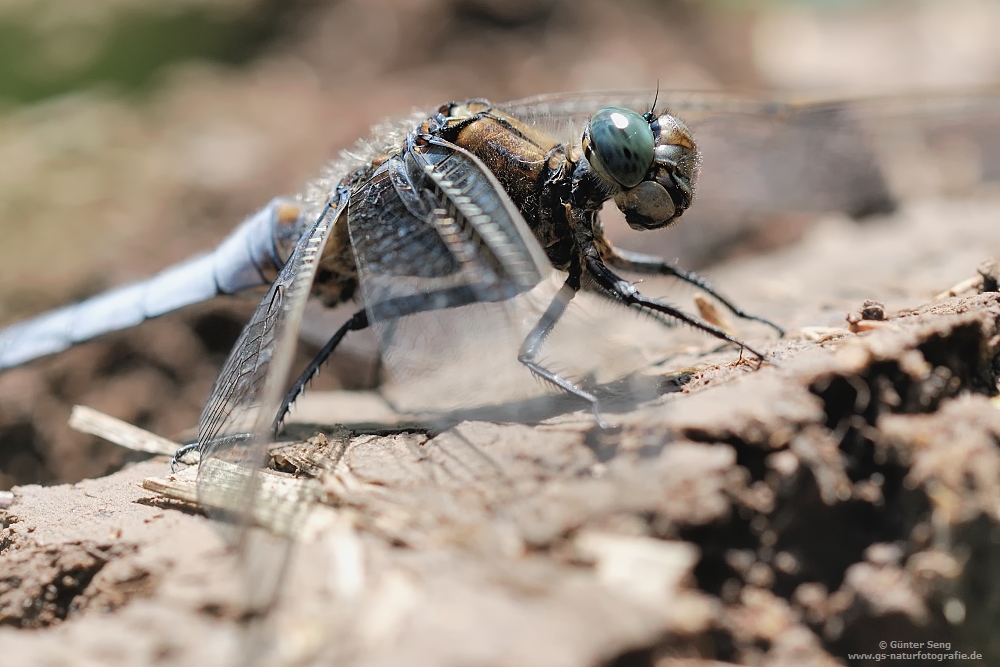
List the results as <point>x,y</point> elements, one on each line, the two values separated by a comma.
<point>601,422</point>
<point>180,453</point>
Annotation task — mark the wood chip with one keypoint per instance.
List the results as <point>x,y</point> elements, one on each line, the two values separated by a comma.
<point>88,420</point>
<point>182,486</point>
<point>967,285</point>
<point>710,312</point>
<point>279,502</point>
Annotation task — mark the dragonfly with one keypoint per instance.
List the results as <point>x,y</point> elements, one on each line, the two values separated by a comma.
<point>477,204</point>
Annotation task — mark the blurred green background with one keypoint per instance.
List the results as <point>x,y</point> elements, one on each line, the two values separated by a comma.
<point>49,48</point>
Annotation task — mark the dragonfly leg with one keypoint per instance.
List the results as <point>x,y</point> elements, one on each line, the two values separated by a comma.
<point>652,265</point>
<point>627,292</point>
<point>536,338</point>
<point>357,322</point>
<point>398,307</point>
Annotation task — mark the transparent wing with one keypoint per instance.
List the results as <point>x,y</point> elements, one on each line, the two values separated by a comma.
<point>749,122</point>
<point>563,115</point>
<point>767,160</point>
<point>453,281</point>
<point>237,423</point>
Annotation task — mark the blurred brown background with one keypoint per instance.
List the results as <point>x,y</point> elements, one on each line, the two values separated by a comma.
<point>134,134</point>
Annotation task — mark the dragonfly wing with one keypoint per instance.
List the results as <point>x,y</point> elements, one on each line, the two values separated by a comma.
<point>782,159</point>
<point>237,423</point>
<point>934,144</point>
<point>432,230</point>
<point>563,115</point>
<point>759,156</point>
<point>781,168</point>
<point>453,280</point>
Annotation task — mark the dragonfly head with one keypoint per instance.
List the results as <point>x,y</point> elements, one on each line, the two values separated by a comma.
<point>649,161</point>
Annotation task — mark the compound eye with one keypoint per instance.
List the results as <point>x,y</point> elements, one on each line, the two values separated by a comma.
<point>619,145</point>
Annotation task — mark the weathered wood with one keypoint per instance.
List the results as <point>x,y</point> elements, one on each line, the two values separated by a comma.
<point>88,420</point>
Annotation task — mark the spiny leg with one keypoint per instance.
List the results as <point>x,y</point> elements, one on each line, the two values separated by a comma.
<point>627,292</point>
<point>536,338</point>
<point>652,265</point>
<point>357,322</point>
<point>399,307</point>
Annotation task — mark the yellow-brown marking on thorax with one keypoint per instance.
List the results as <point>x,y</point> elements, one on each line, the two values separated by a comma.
<point>514,152</point>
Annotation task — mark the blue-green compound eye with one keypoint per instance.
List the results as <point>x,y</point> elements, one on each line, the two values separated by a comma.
<point>620,145</point>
